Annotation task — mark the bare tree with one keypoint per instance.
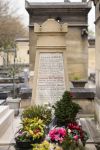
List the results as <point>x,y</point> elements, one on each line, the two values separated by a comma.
<point>11,26</point>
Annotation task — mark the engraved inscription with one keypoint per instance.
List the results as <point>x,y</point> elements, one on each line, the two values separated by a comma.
<point>51,80</point>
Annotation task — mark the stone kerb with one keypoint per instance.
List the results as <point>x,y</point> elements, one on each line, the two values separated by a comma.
<point>50,75</point>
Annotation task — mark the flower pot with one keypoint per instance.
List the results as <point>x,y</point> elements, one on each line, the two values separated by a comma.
<point>23,145</point>
<point>79,83</point>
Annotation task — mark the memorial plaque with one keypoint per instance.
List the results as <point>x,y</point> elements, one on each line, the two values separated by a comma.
<point>51,78</point>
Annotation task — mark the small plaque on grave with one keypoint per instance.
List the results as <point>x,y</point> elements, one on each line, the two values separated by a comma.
<point>51,78</point>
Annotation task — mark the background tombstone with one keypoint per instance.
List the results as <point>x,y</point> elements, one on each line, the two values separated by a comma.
<point>51,75</point>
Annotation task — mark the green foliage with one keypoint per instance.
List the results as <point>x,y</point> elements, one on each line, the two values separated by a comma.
<point>42,112</point>
<point>76,78</point>
<point>43,146</point>
<point>66,110</point>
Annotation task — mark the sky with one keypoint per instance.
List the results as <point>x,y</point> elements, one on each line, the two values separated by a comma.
<point>20,5</point>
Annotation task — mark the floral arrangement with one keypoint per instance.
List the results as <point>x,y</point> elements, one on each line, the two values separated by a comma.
<point>76,132</point>
<point>35,127</point>
<point>66,135</point>
<point>75,137</point>
<point>57,135</point>
<point>31,130</point>
<point>72,136</point>
<point>42,112</point>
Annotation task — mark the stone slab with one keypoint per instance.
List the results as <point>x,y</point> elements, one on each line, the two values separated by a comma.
<point>51,80</point>
<point>83,93</point>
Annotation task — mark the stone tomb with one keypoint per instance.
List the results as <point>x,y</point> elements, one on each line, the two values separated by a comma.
<point>51,75</point>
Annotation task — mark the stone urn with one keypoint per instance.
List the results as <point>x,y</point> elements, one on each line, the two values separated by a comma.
<point>79,83</point>
<point>14,103</point>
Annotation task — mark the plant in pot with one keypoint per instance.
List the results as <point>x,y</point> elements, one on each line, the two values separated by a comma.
<point>42,112</point>
<point>32,132</point>
<point>23,139</point>
<point>78,82</point>
<point>65,110</point>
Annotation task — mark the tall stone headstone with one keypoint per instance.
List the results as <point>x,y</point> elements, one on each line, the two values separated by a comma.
<point>51,75</point>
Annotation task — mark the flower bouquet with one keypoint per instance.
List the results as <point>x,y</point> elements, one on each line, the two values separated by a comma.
<point>32,131</point>
<point>70,138</point>
<point>75,137</point>
<point>35,128</point>
<point>57,135</point>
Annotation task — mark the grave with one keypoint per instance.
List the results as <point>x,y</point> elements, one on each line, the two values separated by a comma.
<point>51,75</point>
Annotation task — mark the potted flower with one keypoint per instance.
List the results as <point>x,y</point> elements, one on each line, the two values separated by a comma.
<point>23,140</point>
<point>32,131</point>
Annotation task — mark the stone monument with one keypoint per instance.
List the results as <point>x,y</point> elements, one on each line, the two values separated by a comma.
<point>76,15</point>
<point>51,75</point>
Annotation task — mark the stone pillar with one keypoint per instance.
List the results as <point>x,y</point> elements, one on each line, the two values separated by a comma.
<point>51,75</point>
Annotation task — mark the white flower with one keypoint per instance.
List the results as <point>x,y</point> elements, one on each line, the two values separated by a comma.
<point>69,131</point>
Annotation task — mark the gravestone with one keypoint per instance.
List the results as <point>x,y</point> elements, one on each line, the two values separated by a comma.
<point>51,75</point>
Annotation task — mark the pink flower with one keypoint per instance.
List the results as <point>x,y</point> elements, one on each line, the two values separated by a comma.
<point>76,137</point>
<point>62,131</point>
<point>57,134</point>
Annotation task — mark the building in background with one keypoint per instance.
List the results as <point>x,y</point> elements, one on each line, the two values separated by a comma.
<point>21,51</point>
